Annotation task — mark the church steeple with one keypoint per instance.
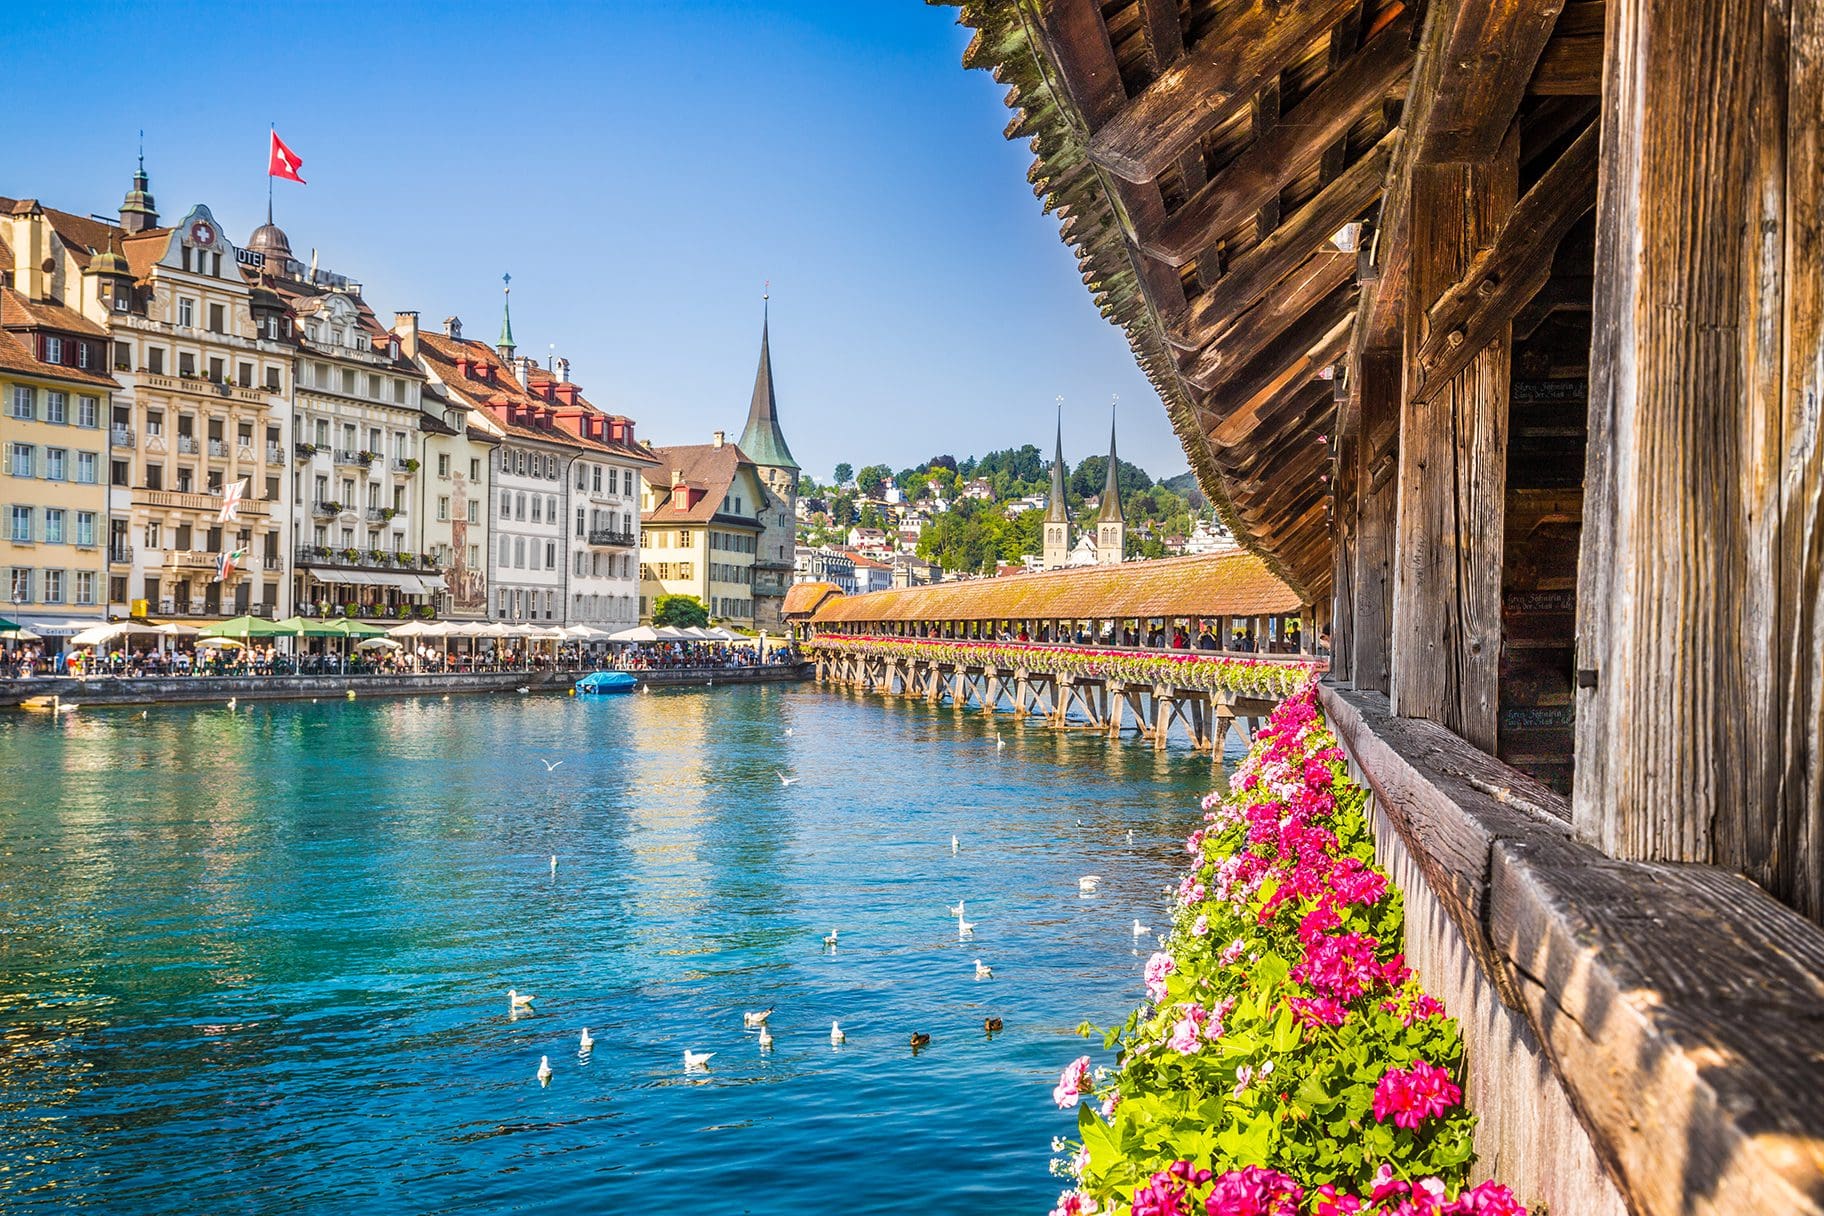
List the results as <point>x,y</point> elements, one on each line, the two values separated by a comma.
<point>137,211</point>
<point>762,441</point>
<point>1057,511</point>
<point>1111,524</point>
<point>506,345</point>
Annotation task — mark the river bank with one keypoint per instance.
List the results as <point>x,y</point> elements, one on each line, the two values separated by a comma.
<point>143,690</point>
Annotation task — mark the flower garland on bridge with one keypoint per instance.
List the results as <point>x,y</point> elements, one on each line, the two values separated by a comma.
<point>1255,677</point>
<point>1287,1063</point>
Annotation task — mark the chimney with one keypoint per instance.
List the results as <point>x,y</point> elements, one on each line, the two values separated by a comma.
<point>677,477</point>
<point>405,324</point>
<point>522,369</point>
<point>563,371</point>
<point>452,328</point>
<point>721,437</point>
<point>28,250</point>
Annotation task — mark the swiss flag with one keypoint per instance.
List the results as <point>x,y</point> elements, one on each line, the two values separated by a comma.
<point>284,162</point>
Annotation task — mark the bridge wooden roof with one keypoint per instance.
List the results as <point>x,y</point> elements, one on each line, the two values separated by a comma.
<point>802,599</point>
<point>1202,154</point>
<point>1222,584</point>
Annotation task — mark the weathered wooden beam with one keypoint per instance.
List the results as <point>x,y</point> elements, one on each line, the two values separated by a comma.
<point>1570,67</point>
<point>1488,53</point>
<point>1280,367</point>
<point>1700,703</point>
<point>1266,117</point>
<point>1260,269</point>
<point>1259,173</point>
<point>1453,470</point>
<point>1479,306</point>
<point>1326,282</point>
<point>1376,459</point>
<point>1251,42</point>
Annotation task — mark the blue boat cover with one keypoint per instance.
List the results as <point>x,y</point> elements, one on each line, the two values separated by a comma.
<point>600,682</point>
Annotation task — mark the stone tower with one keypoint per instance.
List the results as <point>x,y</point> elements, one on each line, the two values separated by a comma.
<point>1057,511</point>
<point>764,443</point>
<point>1111,524</point>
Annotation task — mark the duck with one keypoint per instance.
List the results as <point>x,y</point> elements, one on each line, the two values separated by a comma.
<point>920,1039</point>
<point>756,1018</point>
<point>697,1061</point>
<point>766,1039</point>
<point>586,1043</point>
<point>983,971</point>
<point>516,1001</point>
<point>991,1024</point>
<point>544,1070</point>
<point>837,1037</point>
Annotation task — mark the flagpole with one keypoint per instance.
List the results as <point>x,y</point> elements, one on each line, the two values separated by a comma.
<point>272,130</point>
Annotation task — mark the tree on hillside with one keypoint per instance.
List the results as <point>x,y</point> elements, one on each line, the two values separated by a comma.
<point>870,480</point>
<point>842,473</point>
<point>842,510</point>
<point>1087,478</point>
<point>681,611</point>
<point>870,516</point>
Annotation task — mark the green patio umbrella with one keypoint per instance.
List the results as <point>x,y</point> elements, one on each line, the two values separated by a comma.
<point>244,627</point>
<point>7,626</point>
<point>309,627</point>
<point>355,629</point>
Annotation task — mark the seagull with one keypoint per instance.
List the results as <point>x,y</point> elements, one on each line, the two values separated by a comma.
<point>231,701</point>
<point>991,1024</point>
<point>785,780</point>
<point>956,909</point>
<point>983,971</point>
<point>143,713</point>
<point>313,700</point>
<point>766,1039</point>
<point>1130,835</point>
<point>544,1070</point>
<point>696,1061</point>
<point>788,730</point>
<point>646,688</point>
<point>831,939</point>
<point>586,1043</point>
<point>756,1018</point>
<point>964,928</point>
<point>550,765</point>
<point>953,846</point>
<point>554,863</point>
<point>1088,883</point>
<point>837,1038</point>
<point>919,1040</point>
<point>522,690</point>
<point>1140,929</point>
<point>446,696</point>
<point>516,1001</point>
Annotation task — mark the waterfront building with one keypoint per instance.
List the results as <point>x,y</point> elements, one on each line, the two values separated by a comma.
<point>1057,537</point>
<point>53,497</point>
<point>558,552</point>
<point>764,444</point>
<point>825,565</point>
<point>357,442</point>
<point>204,361</point>
<point>701,529</point>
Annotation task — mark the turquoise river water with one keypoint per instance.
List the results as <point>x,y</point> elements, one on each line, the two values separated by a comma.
<point>257,960</point>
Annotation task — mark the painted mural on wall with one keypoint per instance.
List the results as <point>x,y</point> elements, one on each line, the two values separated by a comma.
<point>468,586</point>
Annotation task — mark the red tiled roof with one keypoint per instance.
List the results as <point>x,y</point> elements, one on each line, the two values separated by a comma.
<point>17,312</point>
<point>704,468</point>
<point>143,250</point>
<point>82,235</point>
<point>502,389</point>
<point>1224,584</point>
<point>15,356</point>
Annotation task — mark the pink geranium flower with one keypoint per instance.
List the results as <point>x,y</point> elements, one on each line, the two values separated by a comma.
<point>1412,1095</point>
<point>1254,1191</point>
<point>1072,1083</point>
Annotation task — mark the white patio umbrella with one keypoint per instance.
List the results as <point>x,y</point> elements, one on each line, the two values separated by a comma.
<point>638,633</point>
<point>202,642</point>
<point>715,633</point>
<point>378,644</point>
<point>412,629</point>
<point>671,633</point>
<point>101,635</point>
<point>172,629</point>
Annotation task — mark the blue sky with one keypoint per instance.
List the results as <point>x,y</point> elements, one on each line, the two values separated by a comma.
<point>640,169</point>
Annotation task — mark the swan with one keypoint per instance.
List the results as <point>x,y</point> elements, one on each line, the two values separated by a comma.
<point>351,694</point>
<point>999,742</point>
<point>231,702</point>
<point>544,1070</point>
<point>522,690</point>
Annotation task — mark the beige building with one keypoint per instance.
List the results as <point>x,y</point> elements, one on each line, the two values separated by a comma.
<point>700,528</point>
<point>458,453</point>
<point>53,497</point>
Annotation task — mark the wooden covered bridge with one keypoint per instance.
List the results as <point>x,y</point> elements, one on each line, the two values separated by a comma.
<point>1496,328</point>
<point>1200,644</point>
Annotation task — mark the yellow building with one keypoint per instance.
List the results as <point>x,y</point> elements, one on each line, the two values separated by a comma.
<point>699,528</point>
<point>53,498</point>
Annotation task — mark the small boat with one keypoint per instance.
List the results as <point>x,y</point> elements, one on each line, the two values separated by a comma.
<point>602,683</point>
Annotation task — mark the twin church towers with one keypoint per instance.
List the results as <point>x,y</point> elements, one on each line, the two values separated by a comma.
<point>1108,545</point>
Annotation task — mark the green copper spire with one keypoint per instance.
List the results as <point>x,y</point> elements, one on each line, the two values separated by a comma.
<point>1057,511</point>
<point>763,442</point>
<point>1110,511</point>
<point>506,343</point>
<point>137,211</point>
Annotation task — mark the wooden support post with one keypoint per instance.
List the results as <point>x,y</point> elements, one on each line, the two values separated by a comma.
<point>1376,493</point>
<point>1022,692</point>
<point>1700,647</point>
<point>1162,713</point>
<point>1453,467</point>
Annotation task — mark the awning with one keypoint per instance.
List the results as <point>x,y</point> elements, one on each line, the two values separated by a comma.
<point>59,626</point>
<point>408,583</point>
<point>433,582</point>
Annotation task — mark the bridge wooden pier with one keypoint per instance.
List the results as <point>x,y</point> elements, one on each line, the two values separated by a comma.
<point>1039,691</point>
